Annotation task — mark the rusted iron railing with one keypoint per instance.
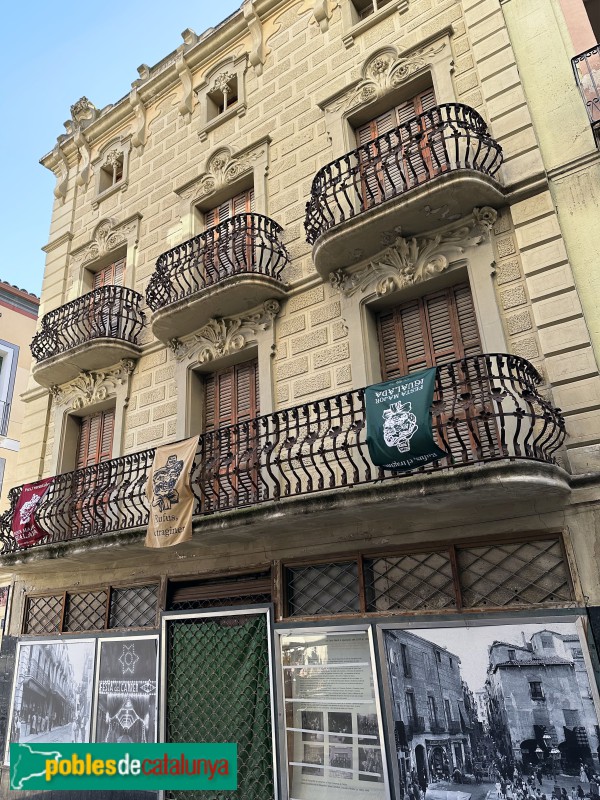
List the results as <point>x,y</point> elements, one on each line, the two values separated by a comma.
<point>587,74</point>
<point>244,243</point>
<point>485,408</point>
<point>112,312</point>
<point>447,138</point>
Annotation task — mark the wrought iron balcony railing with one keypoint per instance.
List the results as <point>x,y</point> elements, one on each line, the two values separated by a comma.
<point>450,137</point>
<point>243,244</point>
<point>485,408</point>
<point>415,726</point>
<point>112,312</point>
<point>437,727</point>
<point>587,74</point>
<point>454,726</point>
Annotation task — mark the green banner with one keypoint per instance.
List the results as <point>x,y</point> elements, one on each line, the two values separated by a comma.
<point>106,767</point>
<point>399,422</point>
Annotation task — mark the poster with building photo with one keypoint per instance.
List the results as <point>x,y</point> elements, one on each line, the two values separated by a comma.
<point>476,706</point>
<point>333,729</point>
<point>126,690</point>
<point>52,694</point>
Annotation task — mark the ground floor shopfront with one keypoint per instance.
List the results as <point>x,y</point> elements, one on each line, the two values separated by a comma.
<point>351,674</point>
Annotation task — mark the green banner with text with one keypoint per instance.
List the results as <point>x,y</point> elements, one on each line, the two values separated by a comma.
<point>399,422</point>
<point>107,767</point>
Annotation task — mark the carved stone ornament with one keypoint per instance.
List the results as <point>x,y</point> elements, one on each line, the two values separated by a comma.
<point>107,237</point>
<point>385,71</point>
<point>61,170</point>
<point>187,84</point>
<point>138,140</point>
<point>222,81</point>
<point>222,169</point>
<point>256,56</point>
<point>92,387</point>
<point>223,336</point>
<point>322,10</point>
<point>113,158</point>
<point>410,261</point>
<point>83,112</point>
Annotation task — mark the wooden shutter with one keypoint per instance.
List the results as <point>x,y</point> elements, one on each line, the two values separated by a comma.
<point>240,204</point>
<point>112,275</point>
<point>96,438</point>
<point>434,329</point>
<point>231,395</point>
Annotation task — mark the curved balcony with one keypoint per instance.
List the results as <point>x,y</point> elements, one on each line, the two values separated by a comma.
<point>587,74</point>
<point>431,170</point>
<point>228,269</point>
<point>500,434</point>
<point>92,332</point>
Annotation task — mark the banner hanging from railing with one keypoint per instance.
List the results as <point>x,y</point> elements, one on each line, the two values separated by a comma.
<point>170,494</point>
<point>24,526</point>
<point>398,415</point>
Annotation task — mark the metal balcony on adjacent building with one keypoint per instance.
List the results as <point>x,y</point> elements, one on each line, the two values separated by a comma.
<point>587,74</point>
<point>487,413</point>
<point>429,171</point>
<point>228,269</point>
<point>92,332</point>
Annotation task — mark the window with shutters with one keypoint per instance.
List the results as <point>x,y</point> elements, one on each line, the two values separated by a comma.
<point>395,151</point>
<point>95,438</point>
<point>232,241</point>
<point>431,331</point>
<point>231,403</point>
<point>104,314</point>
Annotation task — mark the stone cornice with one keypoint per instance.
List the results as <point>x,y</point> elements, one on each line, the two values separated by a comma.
<point>66,237</point>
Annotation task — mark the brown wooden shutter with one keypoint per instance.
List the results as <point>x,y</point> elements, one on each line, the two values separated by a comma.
<point>112,275</point>
<point>240,204</point>
<point>231,395</point>
<point>434,329</point>
<point>96,438</point>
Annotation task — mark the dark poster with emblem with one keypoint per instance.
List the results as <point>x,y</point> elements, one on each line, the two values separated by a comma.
<point>398,415</point>
<point>126,690</point>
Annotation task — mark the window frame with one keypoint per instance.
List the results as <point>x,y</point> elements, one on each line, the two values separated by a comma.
<point>114,151</point>
<point>227,71</point>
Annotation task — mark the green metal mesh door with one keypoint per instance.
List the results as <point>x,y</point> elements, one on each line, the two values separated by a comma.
<point>218,690</point>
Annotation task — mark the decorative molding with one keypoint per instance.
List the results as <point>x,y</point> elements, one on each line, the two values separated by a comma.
<point>383,71</point>
<point>92,387</point>
<point>410,261</point>
<point>61,170</point>
<point>83,113</point>
<point>223,336</point>
<point>322,14</point>
<point>108,235</point>
<point>256,56</point>
<point>222,169</point>
<point>185,76</point>
<point>138,140</point>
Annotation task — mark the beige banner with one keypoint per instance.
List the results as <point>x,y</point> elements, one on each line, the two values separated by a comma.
<point>170,494</point>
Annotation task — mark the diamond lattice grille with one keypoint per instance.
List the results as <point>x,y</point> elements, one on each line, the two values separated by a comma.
<point>524,573</point>
<point>134,607</point>
<point>86,611</point>
<point>218,691</point>
<point>43,614</point>
<point>220,602</point>
<point>409,582</point>
<point>322,589</point>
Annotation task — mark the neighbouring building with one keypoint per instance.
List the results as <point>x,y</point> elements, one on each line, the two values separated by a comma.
<point>18,318</point>
<point>310,198</point>
<point>540,698</point>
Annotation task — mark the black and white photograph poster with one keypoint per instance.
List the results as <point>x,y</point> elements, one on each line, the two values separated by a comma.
<point>504,711</point>
<point>52,697</point>
<point>126,693</point>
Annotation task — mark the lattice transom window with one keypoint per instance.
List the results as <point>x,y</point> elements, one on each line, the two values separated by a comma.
<point>92,610</point>
<point>322,589</point>
<point>498,575</point>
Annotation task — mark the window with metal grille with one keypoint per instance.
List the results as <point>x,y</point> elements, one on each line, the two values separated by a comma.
<point>242,590</point>
<point>499,574</point>
<point>92,610</point>
<point>536,691</point>
<point>323,589</point>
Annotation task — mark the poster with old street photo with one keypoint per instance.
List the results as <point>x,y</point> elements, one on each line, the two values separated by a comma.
<point>483,707</point>
<point>52,692</point>
<point>126,690</point>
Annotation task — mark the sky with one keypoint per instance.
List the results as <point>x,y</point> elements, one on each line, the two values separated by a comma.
<point>53,54</point>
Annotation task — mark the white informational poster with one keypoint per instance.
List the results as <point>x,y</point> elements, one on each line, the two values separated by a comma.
<point>334,738</point>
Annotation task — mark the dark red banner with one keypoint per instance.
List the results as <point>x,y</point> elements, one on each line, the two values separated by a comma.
<point>24,526</point>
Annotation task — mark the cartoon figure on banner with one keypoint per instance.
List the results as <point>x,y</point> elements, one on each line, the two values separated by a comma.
<point>164,481</point>
<point>399,426</point>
